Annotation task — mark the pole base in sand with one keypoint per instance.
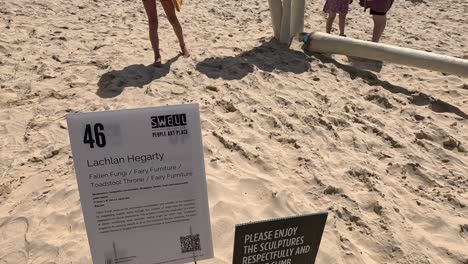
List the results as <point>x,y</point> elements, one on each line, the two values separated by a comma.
<point>287,18</point>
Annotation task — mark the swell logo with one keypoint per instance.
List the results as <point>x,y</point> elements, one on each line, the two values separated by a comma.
<point>164,121</point>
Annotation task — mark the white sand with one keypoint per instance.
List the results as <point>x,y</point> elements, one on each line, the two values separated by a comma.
<point>384,152</point>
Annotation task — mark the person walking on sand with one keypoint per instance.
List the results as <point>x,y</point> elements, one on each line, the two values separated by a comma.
<point>169,9</point>
<point>332,7</point>
<point>378,10</point>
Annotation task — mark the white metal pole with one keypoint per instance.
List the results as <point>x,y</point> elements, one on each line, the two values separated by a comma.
<point>276,12</point>
<point>297,18</point>
<point>286,22</point>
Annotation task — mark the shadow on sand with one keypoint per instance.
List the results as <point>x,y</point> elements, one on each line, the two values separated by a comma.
<point>416,98</point>
<point>269,56</point>
<point>365,64</point>
<point>112,84</point>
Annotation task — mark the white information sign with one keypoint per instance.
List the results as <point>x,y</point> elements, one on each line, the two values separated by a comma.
<point>142,184</point>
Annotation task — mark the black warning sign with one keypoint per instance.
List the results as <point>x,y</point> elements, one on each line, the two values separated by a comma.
<point>292,240</point>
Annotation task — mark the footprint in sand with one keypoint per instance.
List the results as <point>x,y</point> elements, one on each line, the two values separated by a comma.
<point>13,240</point>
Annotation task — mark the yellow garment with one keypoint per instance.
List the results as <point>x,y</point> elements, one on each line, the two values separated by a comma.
<point>177,4</point>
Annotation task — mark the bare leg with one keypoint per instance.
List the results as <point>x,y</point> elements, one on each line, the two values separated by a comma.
<point>379,26</point>
<point>169,8</point>
<point>342,23</point>
<point>151,12</point>
<point>330,19</point>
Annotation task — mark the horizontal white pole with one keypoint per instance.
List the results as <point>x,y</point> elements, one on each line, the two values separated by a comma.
<point>326,43</point>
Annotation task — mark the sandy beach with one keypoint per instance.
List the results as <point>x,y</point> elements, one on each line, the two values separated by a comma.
<point>382,148</point>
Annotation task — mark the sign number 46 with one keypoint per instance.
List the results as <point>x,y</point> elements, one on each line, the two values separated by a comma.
<point>94,135</point>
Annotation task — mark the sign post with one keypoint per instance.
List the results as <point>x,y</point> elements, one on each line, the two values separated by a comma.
<point>142,185</point>
<point>292,240</point>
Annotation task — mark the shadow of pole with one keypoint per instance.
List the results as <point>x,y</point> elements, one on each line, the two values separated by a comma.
<point>365,64</point>
<point>269,56</point>
<point>112,83</point>
<point>416,98</point>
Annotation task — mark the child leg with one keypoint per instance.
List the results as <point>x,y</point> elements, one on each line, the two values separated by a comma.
<point>330,19</point>
<point>342,23</point>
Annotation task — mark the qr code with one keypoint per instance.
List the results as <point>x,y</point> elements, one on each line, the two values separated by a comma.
<point>190,243</point>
